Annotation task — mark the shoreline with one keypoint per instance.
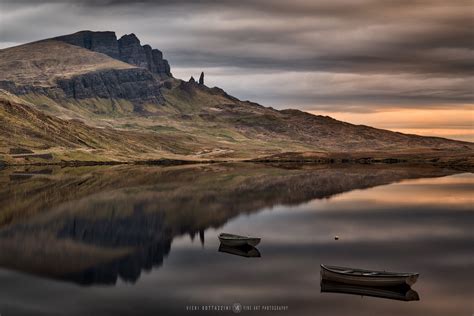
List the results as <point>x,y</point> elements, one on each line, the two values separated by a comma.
<point>455,164</point>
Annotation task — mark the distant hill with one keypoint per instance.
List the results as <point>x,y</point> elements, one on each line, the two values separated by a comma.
<point>91,96</point>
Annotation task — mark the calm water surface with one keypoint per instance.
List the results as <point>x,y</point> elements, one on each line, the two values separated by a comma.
<point>143,240</point>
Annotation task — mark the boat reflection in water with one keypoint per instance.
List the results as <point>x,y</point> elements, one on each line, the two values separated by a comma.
<point>400,292</point>
<point>243,251</point>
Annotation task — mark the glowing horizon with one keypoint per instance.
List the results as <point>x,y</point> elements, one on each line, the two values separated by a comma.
<point>448,123</point>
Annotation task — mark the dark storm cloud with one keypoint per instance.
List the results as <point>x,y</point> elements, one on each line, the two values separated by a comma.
<point>322,42</point>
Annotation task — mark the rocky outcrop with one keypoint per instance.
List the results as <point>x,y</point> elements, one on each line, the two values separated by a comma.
<point>188,86</point>
<point>127,49</point>
<point>201,78</point>
<point>133,53</point>
<point>102,42</point>
<point>13,88</point>
<point>131,84</point>
<point>160,65</point>
<point>142,56</point>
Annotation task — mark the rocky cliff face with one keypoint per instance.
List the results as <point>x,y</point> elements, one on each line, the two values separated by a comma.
<point>12,87</point>
<point>135,84</point>
<point>130,84</point>
<point>102,42</point>
<point>132,52</point>
<point>127,49</point>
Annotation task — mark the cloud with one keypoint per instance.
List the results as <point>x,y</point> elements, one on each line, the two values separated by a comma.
<point>358,54</point>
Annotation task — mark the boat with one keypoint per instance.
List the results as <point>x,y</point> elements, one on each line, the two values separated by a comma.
<point>366,277</point>
<point>236,240</point>
<point>243,251</point>
<point>400,292</point>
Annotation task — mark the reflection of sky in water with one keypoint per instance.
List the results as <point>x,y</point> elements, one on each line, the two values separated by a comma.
<point>422,225</point>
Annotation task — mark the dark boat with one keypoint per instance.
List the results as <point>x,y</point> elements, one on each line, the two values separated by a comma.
<point>237,240</point>
<point>243,251</point>
<point>366,277</point>
<point>400,293</point>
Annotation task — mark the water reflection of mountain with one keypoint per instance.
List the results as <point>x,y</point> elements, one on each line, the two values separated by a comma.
<point>128,268</point>
<point>93,225</point>
<point>145,232</point>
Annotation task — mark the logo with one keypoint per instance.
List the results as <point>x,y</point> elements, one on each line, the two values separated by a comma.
<point>237,308</point>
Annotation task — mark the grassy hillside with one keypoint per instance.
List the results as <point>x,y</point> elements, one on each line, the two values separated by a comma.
<point>23,126</point>
<point>184,120</point>
<point>41,63</point>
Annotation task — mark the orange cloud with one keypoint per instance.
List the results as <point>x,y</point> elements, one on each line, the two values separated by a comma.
<point>456,123</point>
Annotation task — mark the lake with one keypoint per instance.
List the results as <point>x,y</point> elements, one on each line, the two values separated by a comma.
<point>142,240</point>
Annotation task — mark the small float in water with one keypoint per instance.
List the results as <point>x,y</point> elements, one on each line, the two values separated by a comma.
<point>232,240</point>
<point>366,277</point>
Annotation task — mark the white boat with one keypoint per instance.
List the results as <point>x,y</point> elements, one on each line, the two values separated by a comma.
<point>366,277</point>
<point>237,240</point>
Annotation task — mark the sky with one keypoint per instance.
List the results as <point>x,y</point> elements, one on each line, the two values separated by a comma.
<point>404,65</point>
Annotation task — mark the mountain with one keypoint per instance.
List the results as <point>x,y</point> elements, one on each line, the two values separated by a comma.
<point>90,96</point>
<point>127,49</point>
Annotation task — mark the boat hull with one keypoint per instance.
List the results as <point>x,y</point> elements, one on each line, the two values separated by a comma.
<point>236,243</point>
<point>236,240</point>
<point>383,279</point>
